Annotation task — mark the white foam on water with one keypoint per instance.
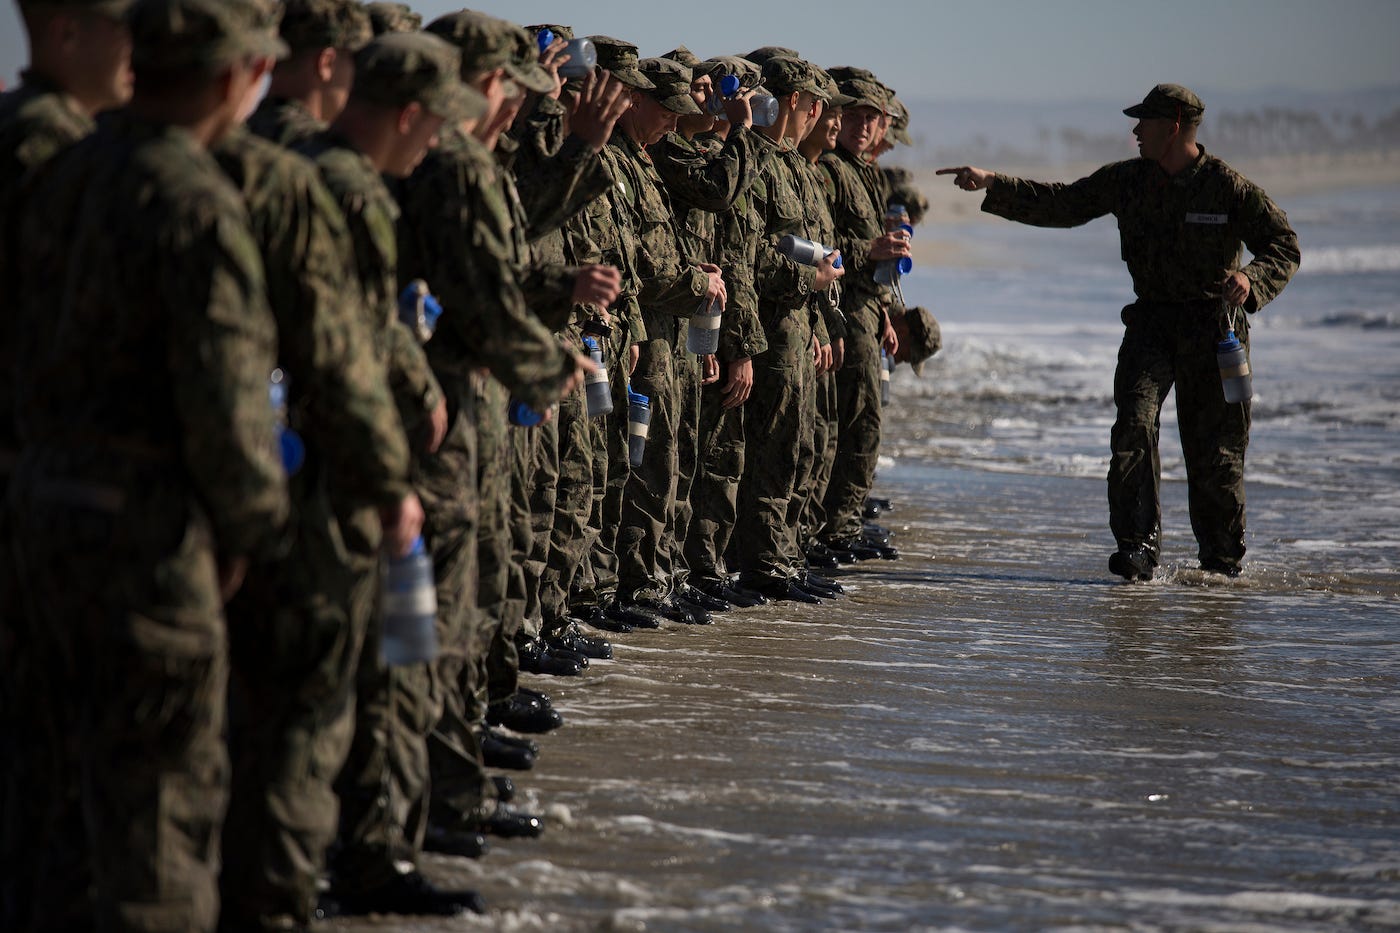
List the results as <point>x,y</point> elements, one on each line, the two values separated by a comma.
<point>1351,259</point>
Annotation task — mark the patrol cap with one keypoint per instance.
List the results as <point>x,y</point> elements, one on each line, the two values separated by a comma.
<point>487,43</point>
<point>172,35</point>
<point>393,17</point>
<point>784,75</point>
<point>113,9</point>
<point>1169,102</point>
<point>925,337</point>
<point>683,55</point>
<point>750,74</point>
<point>401,68</point>
<point>760,56</point>
<point>833,91</point>
<point>620,58</point>
<point>672,85</point>
<point>861,86</point>
<point>325,24</point>
<point>560,32</point>
<point>899,124</point>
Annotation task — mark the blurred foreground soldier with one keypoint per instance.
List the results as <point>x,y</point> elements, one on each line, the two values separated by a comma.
<point>297,627</point>
<point>392,17</point>
<point>79,65</point>
<point>310,87</point>
<point>149,477</point>
<point>406,88</point>
<point>1183,216</point>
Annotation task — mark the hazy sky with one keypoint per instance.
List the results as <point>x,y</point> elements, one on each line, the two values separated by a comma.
<point>996,49</point>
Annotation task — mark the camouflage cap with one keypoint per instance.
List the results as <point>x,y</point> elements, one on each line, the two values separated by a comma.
<point>1169,102</point>
<point>861,86</point>
<point>560,32</point>
<point>488,43</point>
<point>760,56</point>
<point>899,123</point>
<point>393,17</point>
<point>784,75</point>
<point>833,91</point>
<point>683,55</point>
<point>171,35</point>
<point>671,82</point>
<point>401,68</point>
<point>620,58</point>
<point>750,75</point>
<point>925,337</point>
<point>325,24</point>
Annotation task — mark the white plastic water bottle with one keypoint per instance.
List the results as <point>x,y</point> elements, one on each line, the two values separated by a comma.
<point>886,367</point>
<point>638,424</point>
<point>408,608</point>
<point>702,337</point>
<point>1230,355</point>
<point>597,391</point>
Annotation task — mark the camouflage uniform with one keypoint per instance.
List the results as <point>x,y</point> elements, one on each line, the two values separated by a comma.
<point>671,288</point>
<point>392,17</point>
<point>298,623</point>
<point>857,208</point>
<point>148,456</point>
<point>384,782</point>
<point>1181,236</point>
<point>704,179</point>
<point>457,235</point>
<point>309,26</point>
<point>778,441</point>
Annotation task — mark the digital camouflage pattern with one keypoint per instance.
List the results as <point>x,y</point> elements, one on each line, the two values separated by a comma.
<point>298,623</point>
<point>857,212</point>
<point>1180,236</point>
<point>312,25</point>
<point>285,121</point>
<point>128,495</point>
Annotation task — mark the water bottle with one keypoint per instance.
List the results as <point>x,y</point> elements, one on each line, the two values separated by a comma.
<point>522,415</point>
<point>889,271</point>
<point>896,216</point>
<point>702,339</point>
<point>804,251</point>
<point>289,442</point>
<point>1230,355</point>
<point>596,388</point>
<point>408,608</point>
<point>545,38</point>
<point>583,58</point>
<point>886,367</point>
<point>638,423</point>
<point>419,310</point>
<point>764,107</point>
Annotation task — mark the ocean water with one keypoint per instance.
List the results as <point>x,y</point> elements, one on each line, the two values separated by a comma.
<point>992,733</point>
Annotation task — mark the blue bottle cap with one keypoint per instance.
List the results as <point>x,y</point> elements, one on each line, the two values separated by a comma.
<point>590,343</point>
<point>905,265</point>
<point>837,263</point>
<point>293,450</point>
<point>636,398</point>
<point>418,547</point>
<point>897,208</point>
<point>729,85</point>
<point>545,38</point>
<point>522,415</point>
<point>906,228</point>
<point>1229,344</point>
<point>431,311</point>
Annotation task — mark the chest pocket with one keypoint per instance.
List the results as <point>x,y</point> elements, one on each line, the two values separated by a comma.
<point>785,204</point>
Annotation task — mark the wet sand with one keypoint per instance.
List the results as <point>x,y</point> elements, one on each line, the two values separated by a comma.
<point>990,733</point>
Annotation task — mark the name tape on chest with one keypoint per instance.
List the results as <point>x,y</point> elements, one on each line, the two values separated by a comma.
<point>1219,219</point>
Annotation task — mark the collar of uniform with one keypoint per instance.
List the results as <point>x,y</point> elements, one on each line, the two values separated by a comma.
<point>1191,171</point>
<point>632,147</point>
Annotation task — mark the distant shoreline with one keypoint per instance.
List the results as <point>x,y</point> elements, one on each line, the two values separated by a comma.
<point>1283,177</point>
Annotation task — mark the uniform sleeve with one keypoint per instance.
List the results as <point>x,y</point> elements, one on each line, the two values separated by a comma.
<point>1055,204</point>
<point>777,279</point>
<point>221,354</point>
<point>339,385</point>
<point>460,244</point>
<point>710,183</point>
<point>1274,246</point>
<point>555,188</point>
